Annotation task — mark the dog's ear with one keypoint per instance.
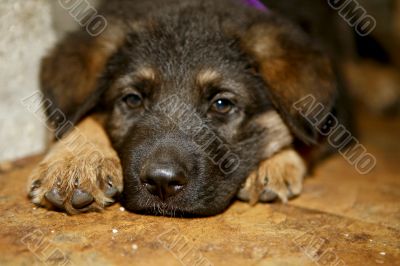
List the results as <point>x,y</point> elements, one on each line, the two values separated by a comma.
<point>70,74</point>
<point>292,69</point>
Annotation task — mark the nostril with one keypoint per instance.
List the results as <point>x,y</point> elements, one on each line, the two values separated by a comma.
<point>149,182</point>
<point>150,185</point>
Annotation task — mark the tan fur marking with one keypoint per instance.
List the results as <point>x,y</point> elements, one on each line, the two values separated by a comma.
<point>278,134</point>
<point>147,73</point>
<point>207,76</point>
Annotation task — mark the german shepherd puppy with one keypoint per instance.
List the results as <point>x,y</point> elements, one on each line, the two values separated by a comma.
<point>179,106</point>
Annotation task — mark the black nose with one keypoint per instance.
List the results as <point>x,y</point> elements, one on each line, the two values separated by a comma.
<point>164,180</point>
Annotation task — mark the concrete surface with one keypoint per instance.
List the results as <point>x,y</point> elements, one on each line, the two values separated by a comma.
<point>342,218</point>
<point>28,29</point>
<point>26,34</point>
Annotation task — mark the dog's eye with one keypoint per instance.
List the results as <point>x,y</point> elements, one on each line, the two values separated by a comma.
<point>222,106</point>
<point>133,100</point>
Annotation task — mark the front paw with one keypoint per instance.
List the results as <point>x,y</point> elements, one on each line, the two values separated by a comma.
<point>280,176</point>
<point>76,183</point>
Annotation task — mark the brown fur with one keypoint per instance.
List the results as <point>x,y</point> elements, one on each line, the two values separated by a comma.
<point>82,58</point>
<point>292,70</point>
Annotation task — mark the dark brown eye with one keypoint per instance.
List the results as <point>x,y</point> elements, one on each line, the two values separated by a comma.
<point>133,100</point>
<point>222,106</point>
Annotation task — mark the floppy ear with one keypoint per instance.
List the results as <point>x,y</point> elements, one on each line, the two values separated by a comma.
<point>292,69</point>
<point>70,74</point>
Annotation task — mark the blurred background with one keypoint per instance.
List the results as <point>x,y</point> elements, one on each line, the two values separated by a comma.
<point>29,28</point>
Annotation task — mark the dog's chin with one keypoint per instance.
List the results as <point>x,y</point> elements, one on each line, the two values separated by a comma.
<point>182,206</point>
<point>162,209</point>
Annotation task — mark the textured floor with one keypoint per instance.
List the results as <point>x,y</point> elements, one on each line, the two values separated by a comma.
<point>342,218</point>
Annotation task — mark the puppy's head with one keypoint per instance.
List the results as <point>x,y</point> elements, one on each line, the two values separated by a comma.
<point>191,115</point>
<point>195,102</point>
<point>184,103</point>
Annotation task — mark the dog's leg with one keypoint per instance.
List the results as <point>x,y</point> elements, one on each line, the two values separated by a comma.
<point>279,176</point>
<point>82,172</point>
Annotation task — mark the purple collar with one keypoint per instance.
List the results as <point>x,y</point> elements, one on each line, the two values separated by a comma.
<point>257,4</point>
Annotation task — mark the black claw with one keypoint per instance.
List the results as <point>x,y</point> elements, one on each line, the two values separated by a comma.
<point>55,198</point>
<point>36,184</point>
<point>111,192</point>
<point>81,199</point>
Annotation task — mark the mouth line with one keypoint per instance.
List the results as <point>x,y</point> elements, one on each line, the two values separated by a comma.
<point>172,214</point>
<point>164,210</point>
